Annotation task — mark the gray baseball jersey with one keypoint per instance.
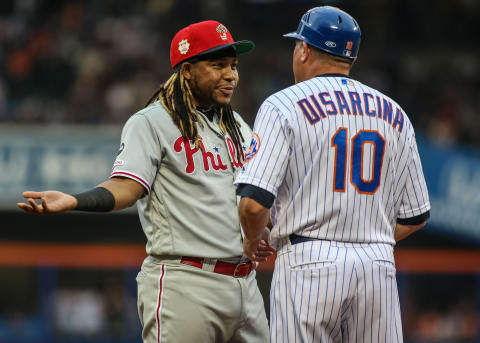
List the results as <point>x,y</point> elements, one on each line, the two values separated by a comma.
<point>190,201</point>
<point>190,209</point>
<point>342,162</point>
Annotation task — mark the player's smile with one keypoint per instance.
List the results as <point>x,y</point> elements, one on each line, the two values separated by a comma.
<point>213,82</point>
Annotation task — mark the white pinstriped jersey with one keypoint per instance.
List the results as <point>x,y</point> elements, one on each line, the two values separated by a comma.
<point>341,160</point>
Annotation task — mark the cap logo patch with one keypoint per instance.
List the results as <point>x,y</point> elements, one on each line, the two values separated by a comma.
<point>222,31</point>
<point>183,46</point>
<point>330,44</point>
<point>349,45</point>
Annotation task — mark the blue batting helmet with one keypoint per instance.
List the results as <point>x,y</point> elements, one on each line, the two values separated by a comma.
<point>331,30</point>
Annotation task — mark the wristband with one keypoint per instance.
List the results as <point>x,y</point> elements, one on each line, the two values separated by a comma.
<point>98,199</point>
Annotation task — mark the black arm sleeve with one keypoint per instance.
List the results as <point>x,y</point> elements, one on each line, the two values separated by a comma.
<point>414,220</point>
<point>98,199</point>
<point>263,197</point>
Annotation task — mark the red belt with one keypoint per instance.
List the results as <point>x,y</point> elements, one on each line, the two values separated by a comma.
<point>235,270</point>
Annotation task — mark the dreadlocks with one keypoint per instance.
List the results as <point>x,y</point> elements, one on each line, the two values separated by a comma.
<point>177,98</point>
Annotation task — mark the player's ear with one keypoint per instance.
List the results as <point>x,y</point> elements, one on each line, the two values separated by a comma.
<point>306,52</point>
<point>186,70</point>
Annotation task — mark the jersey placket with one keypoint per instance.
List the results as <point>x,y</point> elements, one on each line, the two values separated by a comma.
<point>213,126</point>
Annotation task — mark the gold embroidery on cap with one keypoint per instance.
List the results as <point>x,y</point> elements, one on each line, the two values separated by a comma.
<point>222,31</point>
<point>183,46</point>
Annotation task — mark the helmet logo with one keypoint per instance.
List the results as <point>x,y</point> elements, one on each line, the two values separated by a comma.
<point>348,49</point>
<point>222,31</point>
<point>183,46</point>
<point>330,44</point>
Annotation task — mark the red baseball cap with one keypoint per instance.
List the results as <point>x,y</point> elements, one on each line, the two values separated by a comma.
<point>203,38</point>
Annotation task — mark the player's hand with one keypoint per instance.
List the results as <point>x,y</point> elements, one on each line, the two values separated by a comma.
<point>50,202</point>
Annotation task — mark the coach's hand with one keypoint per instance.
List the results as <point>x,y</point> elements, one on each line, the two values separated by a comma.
<point>250,248</point>
<point>50,202</point>
<point>258,250</point>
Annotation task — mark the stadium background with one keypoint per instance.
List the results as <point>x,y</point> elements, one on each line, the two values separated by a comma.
<point>72,72</point>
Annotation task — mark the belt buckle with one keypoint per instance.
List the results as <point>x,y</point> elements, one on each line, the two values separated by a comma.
<point>236,270</point>
<point>240,265</point>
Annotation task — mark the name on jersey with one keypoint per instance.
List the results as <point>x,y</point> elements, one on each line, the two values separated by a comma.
<point>319,106</point>
<point>211,160</point>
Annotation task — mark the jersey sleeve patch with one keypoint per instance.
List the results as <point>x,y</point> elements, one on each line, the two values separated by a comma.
<point>254,147</point>
<point>118,162</point>
<point>122,146</point>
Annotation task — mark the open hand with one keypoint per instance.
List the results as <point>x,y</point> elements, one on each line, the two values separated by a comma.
<point>50,202</point>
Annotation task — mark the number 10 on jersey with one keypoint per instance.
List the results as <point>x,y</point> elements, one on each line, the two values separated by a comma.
<point>356,149</point>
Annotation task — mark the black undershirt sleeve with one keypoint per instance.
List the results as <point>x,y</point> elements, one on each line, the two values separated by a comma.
<point>98,199</point>
<point>414,220</point>
<point>263,197</point>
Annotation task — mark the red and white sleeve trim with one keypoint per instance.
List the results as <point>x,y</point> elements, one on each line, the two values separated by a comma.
<point>133,176</point>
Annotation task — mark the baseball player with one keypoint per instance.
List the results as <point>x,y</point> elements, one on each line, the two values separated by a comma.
<point>178,159</point>
<point>336,163</point>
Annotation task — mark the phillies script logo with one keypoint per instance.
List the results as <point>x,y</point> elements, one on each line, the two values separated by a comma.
<point>210,159</point>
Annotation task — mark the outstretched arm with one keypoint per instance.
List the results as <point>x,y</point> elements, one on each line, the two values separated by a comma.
<point>125,193</point>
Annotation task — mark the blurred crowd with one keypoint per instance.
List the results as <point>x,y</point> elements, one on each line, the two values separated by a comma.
<point>91,305</point>
<point>60,305</point>
<point>89,312</point>
<point>441,308</point>
<point>76,61</point>
<point>458,323</point>
<point>87,61</point>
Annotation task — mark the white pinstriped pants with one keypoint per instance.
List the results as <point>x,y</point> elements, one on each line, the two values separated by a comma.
<point>325,291</point>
